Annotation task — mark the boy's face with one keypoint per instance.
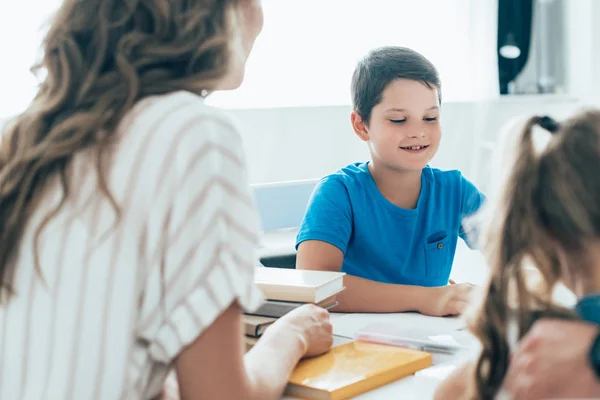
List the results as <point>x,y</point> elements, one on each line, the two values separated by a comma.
<point>404,131</point>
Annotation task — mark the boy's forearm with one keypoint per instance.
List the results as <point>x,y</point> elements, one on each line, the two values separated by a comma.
<point>283,350</point>
<point>363,295</point>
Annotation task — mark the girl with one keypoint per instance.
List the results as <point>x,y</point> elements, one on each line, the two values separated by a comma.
<point>547,214</point>
<point>127,233</point>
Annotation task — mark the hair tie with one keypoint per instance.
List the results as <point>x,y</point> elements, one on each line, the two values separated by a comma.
<point>549,124</point>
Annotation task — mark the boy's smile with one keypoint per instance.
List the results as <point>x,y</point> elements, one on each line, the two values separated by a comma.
<point>415,149</point>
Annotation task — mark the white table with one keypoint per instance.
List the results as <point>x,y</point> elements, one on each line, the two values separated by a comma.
<point>423,384</point>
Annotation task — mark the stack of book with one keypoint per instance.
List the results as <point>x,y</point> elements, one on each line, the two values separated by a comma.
<point>286,289</point>
<point>346,370</point>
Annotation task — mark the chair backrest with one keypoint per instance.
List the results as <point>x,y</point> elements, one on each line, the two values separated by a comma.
<point>283,204</point>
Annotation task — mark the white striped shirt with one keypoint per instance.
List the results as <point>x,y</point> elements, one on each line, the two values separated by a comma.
<point>117,303</point>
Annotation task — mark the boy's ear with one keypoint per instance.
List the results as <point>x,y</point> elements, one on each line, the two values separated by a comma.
<point>359,126</point>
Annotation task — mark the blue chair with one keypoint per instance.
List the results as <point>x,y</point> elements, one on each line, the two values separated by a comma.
<point>281,206</point>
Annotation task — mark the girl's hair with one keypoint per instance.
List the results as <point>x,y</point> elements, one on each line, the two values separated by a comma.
<point>547,210</point>
<point>99,58</point>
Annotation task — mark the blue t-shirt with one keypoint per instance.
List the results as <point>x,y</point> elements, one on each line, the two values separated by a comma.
<point>386,243</point>
<point>588,308</point>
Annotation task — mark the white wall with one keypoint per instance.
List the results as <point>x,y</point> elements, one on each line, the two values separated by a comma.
<point>310,142</point>
<point>583,49</point>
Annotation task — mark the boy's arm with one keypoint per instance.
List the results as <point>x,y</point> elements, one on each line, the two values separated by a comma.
<point>363,295</point>
<point>472,201</point>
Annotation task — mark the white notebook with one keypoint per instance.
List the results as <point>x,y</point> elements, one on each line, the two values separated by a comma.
<point>298,285</point>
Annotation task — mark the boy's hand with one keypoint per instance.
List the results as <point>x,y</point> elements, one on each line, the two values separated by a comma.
<point>446,300</point>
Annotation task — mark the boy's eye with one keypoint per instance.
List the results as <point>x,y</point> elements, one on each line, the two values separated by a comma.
<point>398,121</point>
<point>432,119</point>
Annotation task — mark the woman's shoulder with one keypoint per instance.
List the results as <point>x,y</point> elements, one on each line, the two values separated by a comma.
<point>177,126</point>
<point>170,139</point>
<point>174,115</point>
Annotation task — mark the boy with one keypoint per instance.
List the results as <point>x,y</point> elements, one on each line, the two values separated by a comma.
<point>392,223</point>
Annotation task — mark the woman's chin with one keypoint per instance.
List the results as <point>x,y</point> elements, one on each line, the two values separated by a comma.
<point>231,82</point>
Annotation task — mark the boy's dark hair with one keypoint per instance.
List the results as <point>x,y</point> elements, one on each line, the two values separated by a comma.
<point>383,65</point>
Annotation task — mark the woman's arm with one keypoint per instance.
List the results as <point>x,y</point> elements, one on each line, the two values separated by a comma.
<point>214,365</point>
<point>363,295</point>
<point>208,230</point>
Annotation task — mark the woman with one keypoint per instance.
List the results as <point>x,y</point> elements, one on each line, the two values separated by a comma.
<point>127,228</point>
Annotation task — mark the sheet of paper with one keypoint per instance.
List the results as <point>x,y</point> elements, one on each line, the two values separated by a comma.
<point>347,325</point>
<point>439,371</point>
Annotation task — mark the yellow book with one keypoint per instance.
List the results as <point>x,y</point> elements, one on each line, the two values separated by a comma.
<point>352,369</point>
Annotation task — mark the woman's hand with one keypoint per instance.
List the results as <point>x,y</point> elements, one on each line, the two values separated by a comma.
<point>312,325</point>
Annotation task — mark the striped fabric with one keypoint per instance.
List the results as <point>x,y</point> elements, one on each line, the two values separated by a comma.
<point>118,299</point>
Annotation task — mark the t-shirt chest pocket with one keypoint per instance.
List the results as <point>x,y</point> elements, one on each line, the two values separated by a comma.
<point>437,254</point>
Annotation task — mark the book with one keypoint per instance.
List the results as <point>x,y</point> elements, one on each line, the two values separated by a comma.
<point>255,325</point>
<point>353,368</point>
<point>278,308</point>
<point>249,342</point>
<point>298,285</point>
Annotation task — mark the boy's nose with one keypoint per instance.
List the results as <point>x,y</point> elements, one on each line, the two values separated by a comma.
<point>418,133</point>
